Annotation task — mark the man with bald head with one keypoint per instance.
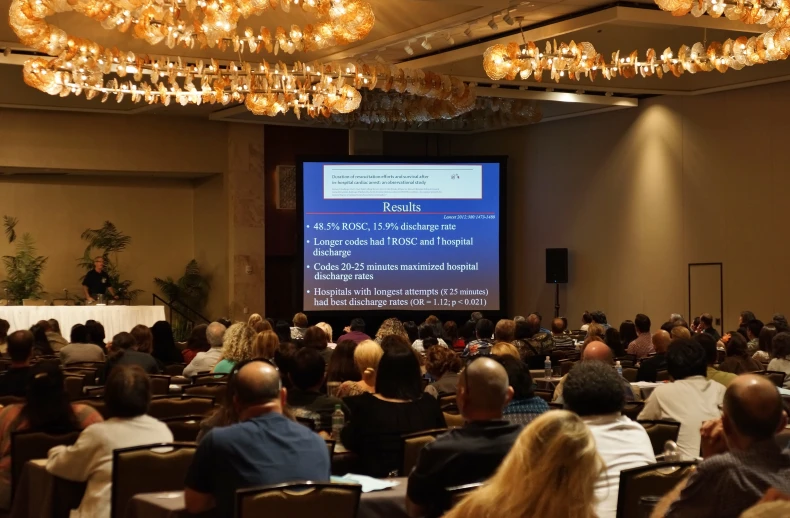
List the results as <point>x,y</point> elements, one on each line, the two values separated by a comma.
<point>648,369</point>
<point>469,454</point>
<point>599,352</point>
<point>742,457</point>
<point>264,448</point>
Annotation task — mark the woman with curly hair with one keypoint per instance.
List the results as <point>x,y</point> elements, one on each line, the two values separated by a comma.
<point>237,346</point>
<point>391,326</point>
<point>443,365</point>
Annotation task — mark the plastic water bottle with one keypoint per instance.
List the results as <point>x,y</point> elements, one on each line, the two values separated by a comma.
<point>619,369</point>
<point>547,366</point>
<point>338,421</point>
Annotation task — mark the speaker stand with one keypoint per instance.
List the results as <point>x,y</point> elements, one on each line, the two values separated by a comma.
<point>556,300</point>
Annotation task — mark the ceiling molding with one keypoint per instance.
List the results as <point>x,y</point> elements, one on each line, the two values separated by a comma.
<point>560,97</point>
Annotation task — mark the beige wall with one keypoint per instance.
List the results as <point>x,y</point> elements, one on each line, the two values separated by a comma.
<point>639,194</point>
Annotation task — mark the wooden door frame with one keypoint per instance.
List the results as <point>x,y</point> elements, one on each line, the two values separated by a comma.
<point>721,287</point>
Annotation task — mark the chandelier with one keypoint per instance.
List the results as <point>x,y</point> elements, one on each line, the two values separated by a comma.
<point>577,60</point>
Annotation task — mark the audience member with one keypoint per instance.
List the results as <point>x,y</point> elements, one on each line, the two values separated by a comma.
<point>236,347</point>
<point>561,340</point>
<point>781,356</point>
<point>643,345</point>
<point>593,392</point>
<point>780,320</point>
<point>13,382</point>
<point>711,355</point>
<point>690,400</point>
<point>484,330</point>
<point>122,352</point>
<point>4,327</point>
<point>675,318</point>
<point>453,336</point>
<point>299,327</point>
<point>753,329</point>
<point>47,409</point>
<point>265,345</point>
<point>597,351</point>
<point>391,327</point>
<point>366,358</point>
<point>443,365</point>
<point>599,317</point>
<point>742,458</point>
<point>738,360</point>
<point>744,318</point>
<point>505,349</point>
<point>525,406</point>
<point>164,346</point>
<point>52,329</point>
<point>399,406</point>
<point>595,333</point>
<point>283,330</point>
<point>706,326</point>
<point>79,350</point>
<point>96,334</point>
<point>307,377</point>
<point>469,454</point>
<point>537,344</point>
<point>767,333</point>
<point>680,333</point>
<point>341,365</point>
<point>505,331</point>
<point>474,317</point>
<point>315,338</point>
<point>613,340</point>
<point>257,323</point>
<point>627,334</point>
<point>225,414</point>
<point>205,362</point>
<point>412,330</point>
<point>355,332</point>
<point>196,343</point>
<point>424,332</point>
<point>586,321</point>
<point>41,345</point>
<point>127,396</point>
<point>143,338</point>
<point>550,471</point>
<point>649,367</point>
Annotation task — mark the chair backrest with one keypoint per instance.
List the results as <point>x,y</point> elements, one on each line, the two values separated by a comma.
<point>413,444</point>
<point>199,379</point>
<point>662,375</point>
<point>651,480</point>
<point>147,469</point>
<point>556,406</point>
<point>626,358</point>
<point>330,445</point>
<point>721,354</point>
<point>27,445</point>
<point>629,373</point>
<point>11,400</point>
<point>299,499</point>
<point>96,402</point>
<point>184,428</point>
<point>566,366</point>
<point>632,409</point>
<point>777,377</point>
<point>88,373</point>
<point>175,406</point>
<point>217,390</point>
<point>447,401</point>
<point>160,384</point>
<point>660,432</point>
<point>458,493</point>
<point>175,369</point>
<point>545,395</point>
<point>85,365</point>
<point>73,385</point>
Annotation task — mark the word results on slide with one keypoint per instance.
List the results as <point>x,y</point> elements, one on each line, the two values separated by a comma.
<point>405,236</point>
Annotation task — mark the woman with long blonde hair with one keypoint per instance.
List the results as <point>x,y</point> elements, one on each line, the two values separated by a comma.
<point>550,473</point>
<point>236,347</point>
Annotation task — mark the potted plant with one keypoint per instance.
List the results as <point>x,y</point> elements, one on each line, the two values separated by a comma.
<point>24,268</point>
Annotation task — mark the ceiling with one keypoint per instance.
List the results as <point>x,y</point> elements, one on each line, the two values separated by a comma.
<point>458,32</point>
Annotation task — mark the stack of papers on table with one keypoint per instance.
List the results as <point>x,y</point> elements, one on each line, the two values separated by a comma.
<point>368,483</point>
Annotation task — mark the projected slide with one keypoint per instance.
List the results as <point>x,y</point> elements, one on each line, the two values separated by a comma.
<point>401,236</point>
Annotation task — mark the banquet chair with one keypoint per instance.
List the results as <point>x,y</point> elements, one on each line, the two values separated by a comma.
<point>651,480</point>
<point>660,432</point>
<point>5,365</point>
<point>632,409</point>
<point>545,395</point>
<point>209,377</point>
<point>85,365</point>
<point>629,373</point>
<point>11,400</point>
<point>27,445</point>
<point>160,384</point>
<point>216,390</point>
<point>662,375</point>
<point>413,443</point>
<point>453,420</point>
<point>566,366</point>
<point>176,369</point>
<point>73,385</point>
<point>147,469</point>
<point>96,402</point>
<point>327,500</point>
<point>777,377</point>
<point>458,493</point>
<point>330,445</point>
<point>184,428</point>
<point>175,406</point>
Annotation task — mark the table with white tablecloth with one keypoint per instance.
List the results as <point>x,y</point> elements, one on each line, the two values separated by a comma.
<point>115,319</point>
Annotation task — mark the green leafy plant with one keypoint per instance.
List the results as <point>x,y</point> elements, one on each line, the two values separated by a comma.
<point>109,240</point>
<point>24,268</point>
<point>186,295</point>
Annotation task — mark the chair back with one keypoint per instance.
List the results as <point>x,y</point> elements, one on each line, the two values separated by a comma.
<point>326,500</point>
<point>87,373</point>
<point>73,385</point>
<point>545,395</point>
<point>28,445</point>
<point>448,401</point>
<point>662,375</point>
<point>160,384</point>
<point>632,409</point>
<point>85,365</point>
<point>721,355</point>
<point>184,428</point>
<point>458,493</point>
<point>556,406</point>
<point>209,377</point>
<point>147,469</point>
<point>660,432</point>
<point>96,402</point>
<point>11,400</point>
<point>175,369</point>
<point>626,358</point>
<point>175,406</point>
<point>777,377</point>
<point>629,373</point>
<point>330,445</point>
<point>413,444</point>
<point>651,480</point>
<point>566,366</point>
<point>217,390</point>
<point>453,420</point>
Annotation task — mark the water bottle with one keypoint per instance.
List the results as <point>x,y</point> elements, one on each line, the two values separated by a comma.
<point>547,366</point>
<point>338,421</point>
<point>619,369</point>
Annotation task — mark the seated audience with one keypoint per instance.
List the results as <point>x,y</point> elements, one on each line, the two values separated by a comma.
<point>264,448</point>
<point>764,347</point>
<point>753,329</point>
<point>593,392</point>
<point>47,409</point>
<point>52,330</point>
<point>611,337</point>
<point>265,345</point>
<point>205,362</point>
<point>13,382</point>
<point>399,406</point>
<point>144,339</point>
<point>690,400</point>
<point>355,332</point>
<point>299,327</point>
<point>79,350</point>
<point>642,346</point>
<point>550,472</point>
<point>425,332</point>
<point>391,327</point>
<point>257,323</point>
<point>706,326</point>
<point>443,365</point>
<point>524,406</point>
<point>327,329</point>
<point>595,333</point>
<point>780,320</point>
<point>366,358</point>
<point>484,330</point>
<point>453,335</point>
<point>538,344</point>
<point>738,360</point>
<point>4,327</point>
<point>236,347</point>
<point>505,331</point>
<point>225,413</point>
<point>679,332</point>
<point>41,345</point>
<point>127,396</point>
<point>412,330</point>
<point>742,458</point>
<point>561,340</point>
<point>649,367</point>
<point>586,321</point>
<point>467,334</point>
<point>315,338</point>
<point>781,356</point>
<point>597,351</point>
<point>164,346</point>
<point>282,329</point>
<point>96,335</point>
<point>469,454</point>
<point>341,365</point>
<point>196,343</point>
<point>307,375</point>
<point>711,355</point>
<point>599,317</point>
<point>122,352</point>
<point>505,349</point>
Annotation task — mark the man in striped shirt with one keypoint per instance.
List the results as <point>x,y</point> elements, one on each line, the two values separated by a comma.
<point>561,340</point>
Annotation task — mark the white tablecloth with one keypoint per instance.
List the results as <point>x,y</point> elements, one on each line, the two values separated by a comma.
<point>114,318</point>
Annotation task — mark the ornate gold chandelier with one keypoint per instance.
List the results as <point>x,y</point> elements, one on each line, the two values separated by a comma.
<point>577,60</point>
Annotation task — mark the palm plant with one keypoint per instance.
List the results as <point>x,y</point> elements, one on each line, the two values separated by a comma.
<point>24,268</point>
<point>185,295</point>
<point>110,241</point>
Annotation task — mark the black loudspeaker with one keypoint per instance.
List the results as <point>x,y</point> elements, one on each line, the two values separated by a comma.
<point>557,265</point>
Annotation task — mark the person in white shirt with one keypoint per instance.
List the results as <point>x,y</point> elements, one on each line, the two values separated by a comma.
<point>780,347</point>
<point>593,392</point>
<point>205,362</point>
<point>690,400</point>
<point>127,396</point>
